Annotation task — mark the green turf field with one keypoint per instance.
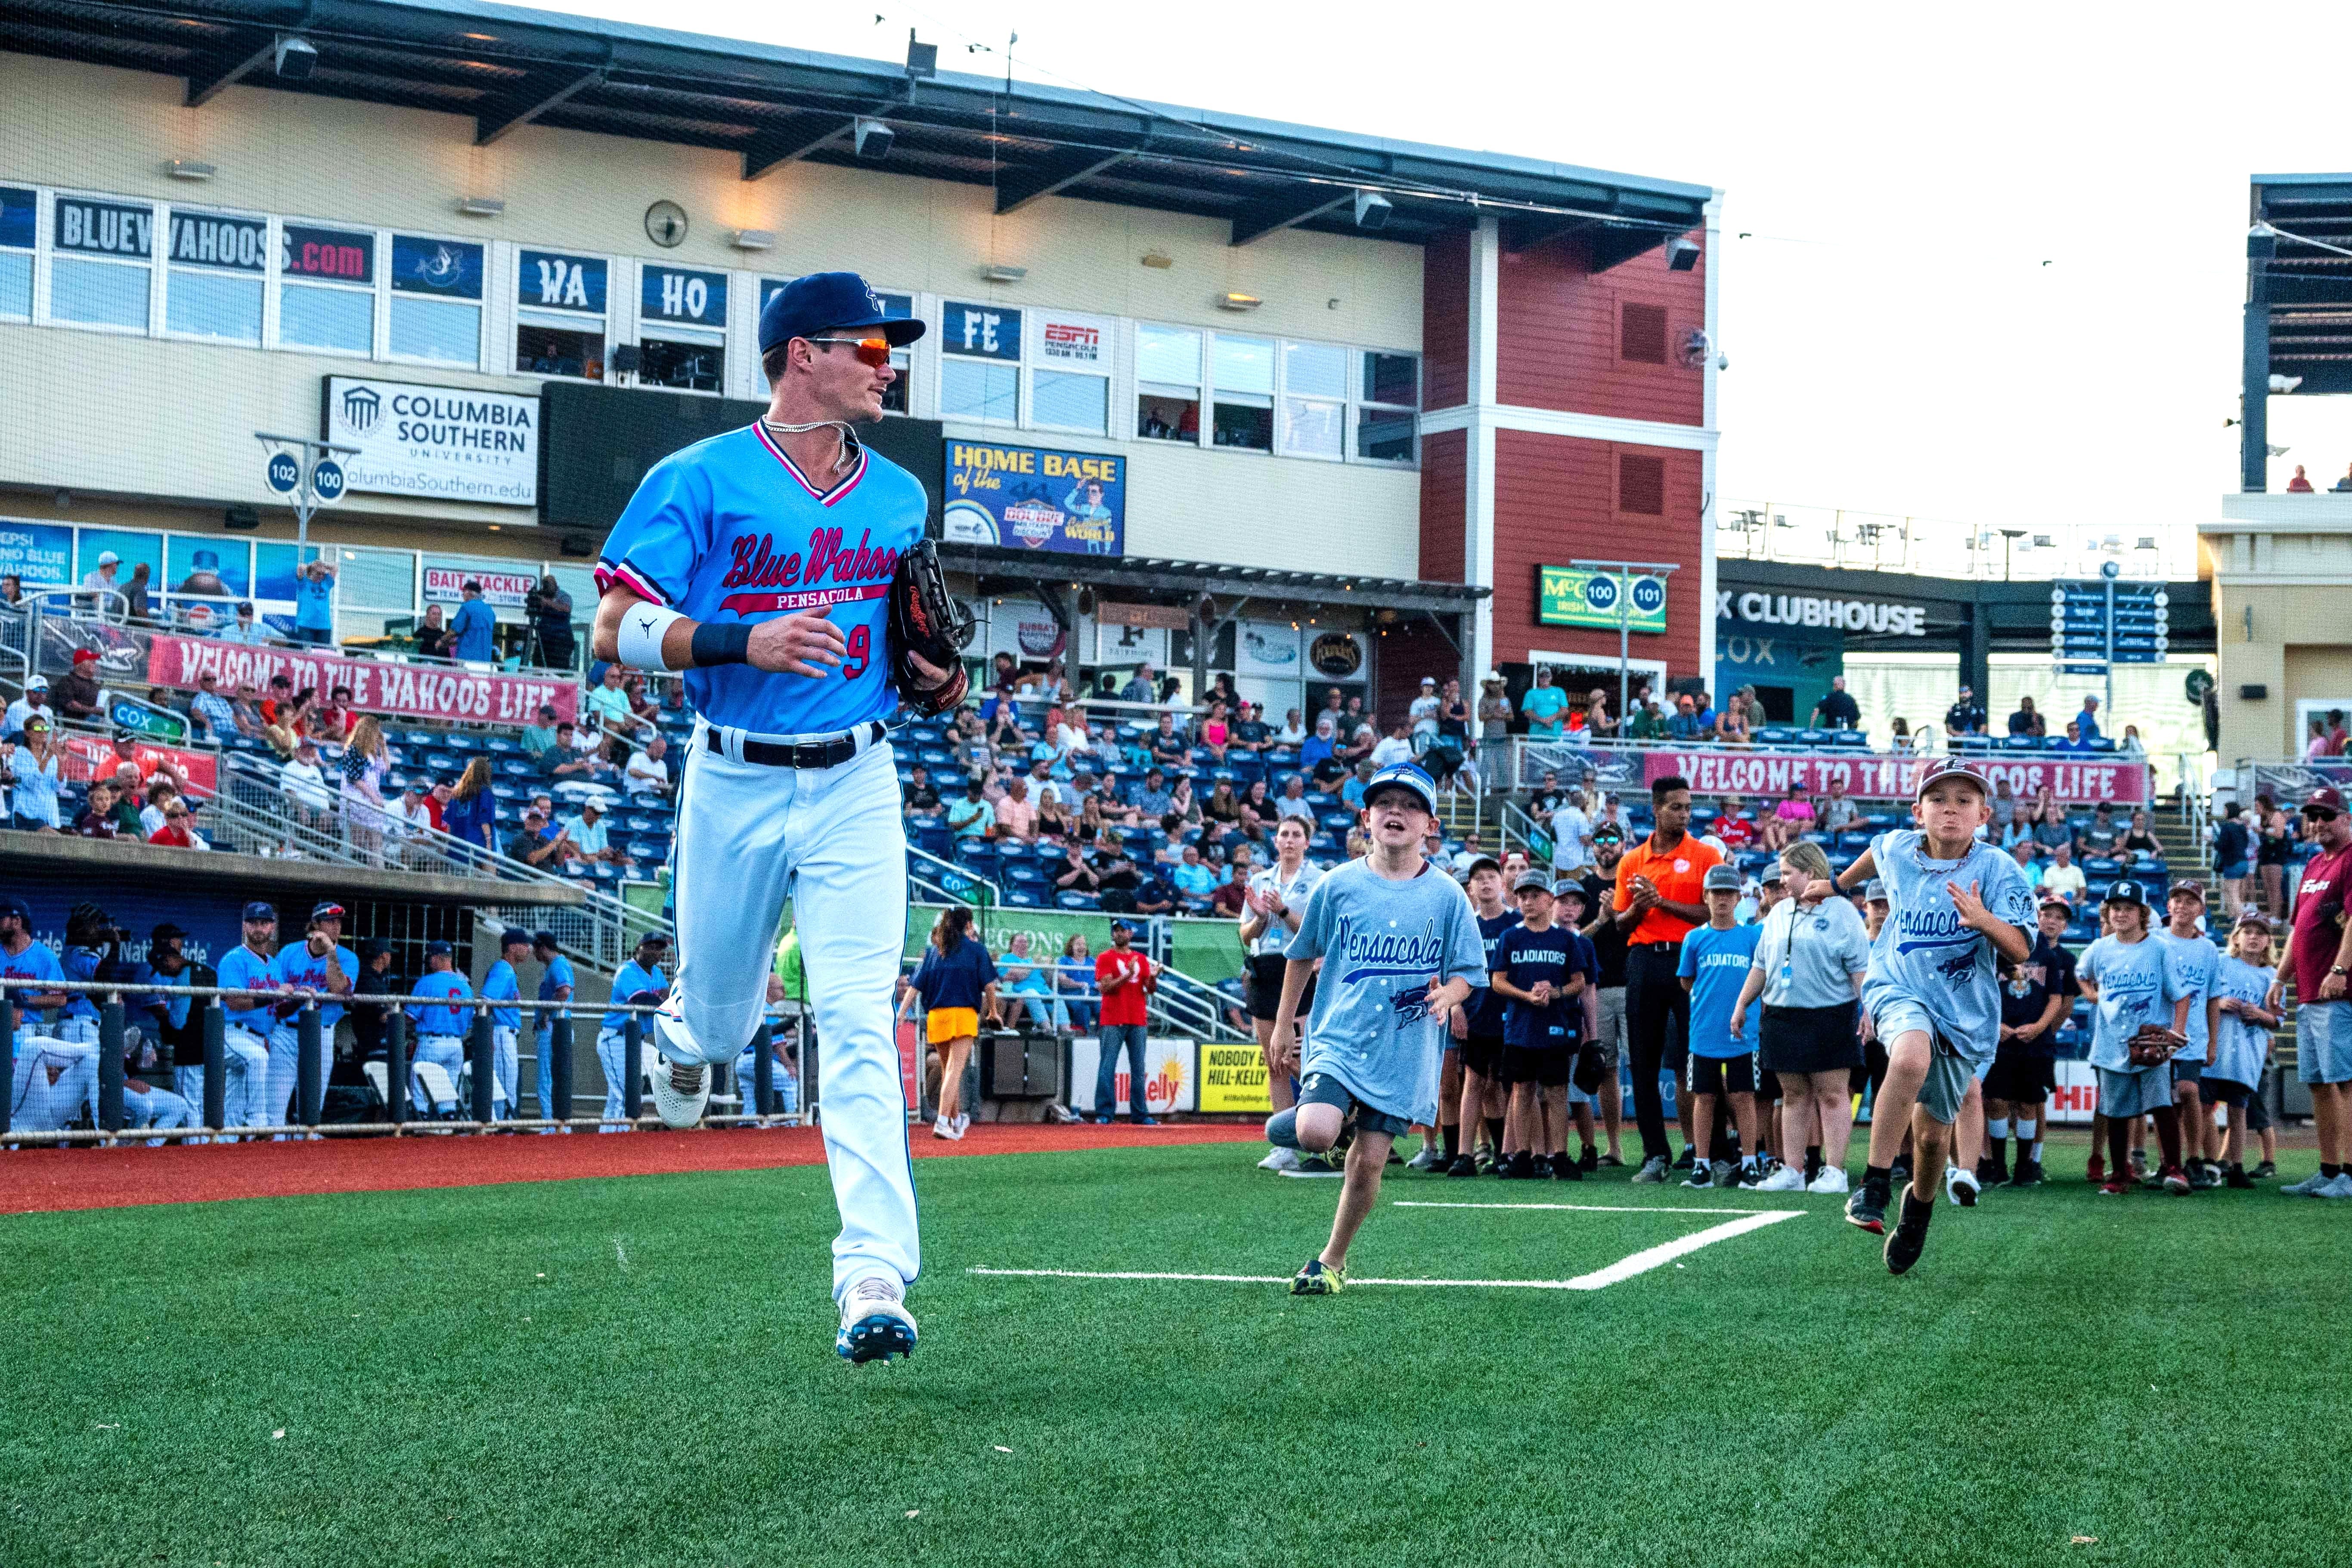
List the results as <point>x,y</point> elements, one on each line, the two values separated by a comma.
<point>641,1371</point>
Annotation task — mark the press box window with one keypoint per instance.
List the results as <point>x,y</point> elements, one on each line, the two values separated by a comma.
<point>1167,384</point>
<point>682,329</point>
<point>100,265</point>
<point>19,218</point>
<point>1241,373</point>
<point>215,269</point>
<point>1314,400</point>
<point>980,363</point>
<point>1389,411</point>
<point>1070,384</point>
<point>560,315</point>
<point>326,288</point>
<point>437,301</point>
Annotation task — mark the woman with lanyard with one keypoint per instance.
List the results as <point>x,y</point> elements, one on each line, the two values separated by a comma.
<point>1809,969</point>
<point>957,982</point>
<point>1276,901</point>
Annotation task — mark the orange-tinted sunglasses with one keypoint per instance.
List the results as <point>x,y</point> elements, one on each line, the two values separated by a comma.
<point>875,352</point>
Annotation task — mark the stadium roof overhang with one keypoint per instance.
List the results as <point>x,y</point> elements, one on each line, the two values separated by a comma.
<point>1023,569</point>
<point>508,67</point>
<point>2307,287</point>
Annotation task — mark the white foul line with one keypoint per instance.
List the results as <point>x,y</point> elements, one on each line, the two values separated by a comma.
<point>1641,1262</point>
<point>1589,1208</point>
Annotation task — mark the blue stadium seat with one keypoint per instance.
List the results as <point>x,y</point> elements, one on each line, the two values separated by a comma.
<point>1850,739</point>
<point>1774,735</point>
<point>2022,744</point>
<point>1812,737</point>
<point>2101,866</point>
<point>1072,901</point>
<point>1023,899</point>
<point>2103,746</point>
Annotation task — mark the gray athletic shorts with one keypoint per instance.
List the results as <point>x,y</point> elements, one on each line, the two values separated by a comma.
<point>1612,1039</point>
<point>2123,1094</point>
<point>1949,1074</point>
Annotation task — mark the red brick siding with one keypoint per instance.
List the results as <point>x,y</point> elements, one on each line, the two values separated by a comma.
<point>1560,333</point>
<point>1555,500</point>
<point>1444,475</point>
<point>1446,322</point>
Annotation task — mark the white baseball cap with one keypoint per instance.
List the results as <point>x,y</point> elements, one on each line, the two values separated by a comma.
<point>108,558</point>
<point>38,683</point>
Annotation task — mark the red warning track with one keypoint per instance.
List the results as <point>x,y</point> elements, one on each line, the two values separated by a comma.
<point>38,1180</point>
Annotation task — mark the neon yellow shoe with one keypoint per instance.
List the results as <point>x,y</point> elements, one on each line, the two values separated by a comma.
<point>1319,1279</point>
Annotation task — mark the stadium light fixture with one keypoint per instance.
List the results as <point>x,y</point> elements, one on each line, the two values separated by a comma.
<point>874,140</point>
<point>296,57</point>
<point>189,169</point>
<point>1373,210</point>
<point>1682,255</point>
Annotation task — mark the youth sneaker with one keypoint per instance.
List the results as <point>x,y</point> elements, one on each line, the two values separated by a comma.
<point>2174,1179</point>
<point>2139,1164</point>
<point>1961,1187</point>
<point>1652,1172</point>
<point>2305,1187</point>
<point>1280,1159</point>
<point>1463,1165</point>
<point>681,1091</point>
<point>1318,1278</point>
<point>875,1322</point>
<point>1993,1168</point>
<point>2096,1171</point>
<point>1591,1159</point>
<point>1564,1167</point>
<point>2204,1176</point>
<point>1527,1168</point>
<point>1612,1159</point>
<point>1682,1160</point>
<point>1787,1179</point>
<point>1900,1172</point>
<point>2341,1187</point>
<point>945,1127</point>
<point>1867,1208</point>
<point>1315,1165</point>
<point>2236,1178</point>
<point>2028,1172</point>
<point>2118,1185</point>
<point>1701,1176</point>
<point>1725,1173</point>
<point>2265,1171</point>
<point>1428,1159</point>
<point>1830,1180</point>
<point>1910,1237</point>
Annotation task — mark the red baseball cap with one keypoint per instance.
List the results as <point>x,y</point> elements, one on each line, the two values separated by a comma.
<point>90,656</point>
<point>1945,768</point>
<point>2327,798</point>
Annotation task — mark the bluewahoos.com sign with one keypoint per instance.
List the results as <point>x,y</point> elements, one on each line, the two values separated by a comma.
<point>1074,502</point>
<point>453,443</point>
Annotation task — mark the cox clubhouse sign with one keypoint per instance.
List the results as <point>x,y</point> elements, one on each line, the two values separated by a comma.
<point>1865,776</point>
<point>447,442</point>
<point>410,691</point>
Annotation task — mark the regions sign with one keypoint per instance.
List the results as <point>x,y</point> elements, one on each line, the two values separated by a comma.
<point>1571,596</point>
<point>1867,776</point>
<point>1033,498</point>
<point>408,690</point>
<point>449,443</point>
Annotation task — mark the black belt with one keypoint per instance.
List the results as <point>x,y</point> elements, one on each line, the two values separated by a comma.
<point>829,753</point>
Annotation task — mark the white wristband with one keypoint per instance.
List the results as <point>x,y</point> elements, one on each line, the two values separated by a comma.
<point>642,626</point>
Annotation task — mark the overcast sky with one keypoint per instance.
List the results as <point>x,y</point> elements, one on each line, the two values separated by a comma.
<point>1997,261</point>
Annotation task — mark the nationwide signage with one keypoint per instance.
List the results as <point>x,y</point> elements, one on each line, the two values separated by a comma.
<point>1036,498</point>
<point>409,690</point>
<point>1878,617</point>
<point>1571,596</point>
<point>449,443</point>
<point>1866,777</point>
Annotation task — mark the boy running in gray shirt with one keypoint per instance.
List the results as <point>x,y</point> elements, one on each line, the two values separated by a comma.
<point>1400,947</point>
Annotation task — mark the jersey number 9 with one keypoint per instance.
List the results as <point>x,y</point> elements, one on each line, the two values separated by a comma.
<point>860,642</point>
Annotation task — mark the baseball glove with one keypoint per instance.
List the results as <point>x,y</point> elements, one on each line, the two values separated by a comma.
<point>2154,1043</point>
<point>925,619</point>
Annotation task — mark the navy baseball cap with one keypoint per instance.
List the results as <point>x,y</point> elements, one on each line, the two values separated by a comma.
<point>438,950</point>
<point>1411,778</point>
<point>822,301</point>
<point>257,910</point>
<point>10,904</point>
<point>2126,892</point>
<point>329,910</point>
<point>516,937</point>
<point>544,939</point>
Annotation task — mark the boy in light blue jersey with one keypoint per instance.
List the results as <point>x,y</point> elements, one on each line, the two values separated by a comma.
<point>1400,948</point>
<point>2198,960</point>
<point>1720,1069</point>
<point>2241,1038</point>
<point>1955,907</point>
<point>2133,982</point>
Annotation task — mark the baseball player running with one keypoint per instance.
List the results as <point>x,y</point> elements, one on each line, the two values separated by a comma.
<point>763,564</point>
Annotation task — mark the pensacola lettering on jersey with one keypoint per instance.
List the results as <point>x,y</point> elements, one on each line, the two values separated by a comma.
<point>1931,927</point>
<point>864,572</point>
<point>1371,954</point>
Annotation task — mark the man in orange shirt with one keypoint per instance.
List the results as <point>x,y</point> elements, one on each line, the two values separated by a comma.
<point>1659,899</point>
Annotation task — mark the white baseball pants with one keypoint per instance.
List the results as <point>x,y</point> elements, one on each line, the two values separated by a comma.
<point>52,1080</point>
<point>748,838</point>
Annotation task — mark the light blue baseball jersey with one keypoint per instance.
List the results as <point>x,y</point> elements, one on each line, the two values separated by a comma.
<point>730,530</point>
<point>2198,960</point>
<point>295,969</point>
<point>2138,983</point>
<point>1382,943</point>
<point>241,968</point>
<point>500,985</point>
<point>36,963</point>
<point>627,981</point>
<point>447,985</point>
<point>553,981</point>
<point>1925,955</point>
<point>1717,964</point>
<point>2240,1048</point>
<point>81,963</point>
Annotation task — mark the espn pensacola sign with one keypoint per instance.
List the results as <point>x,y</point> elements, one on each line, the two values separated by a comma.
<point>1570,596</point>
<point>1768,774</point>
<point>446,443</point>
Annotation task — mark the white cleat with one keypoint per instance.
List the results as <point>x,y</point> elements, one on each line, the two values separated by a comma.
<point>1786,1179</point>
<point>963,1122</point>
<point>1830,1180</point>
<point>1280,1159</point>
<point>945,1127</point>
<point>1960,1186</point>
<point>875,1322</point>
<point>682,1092</point>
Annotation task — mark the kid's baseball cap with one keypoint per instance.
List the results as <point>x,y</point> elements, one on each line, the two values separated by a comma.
<point>1773,874</point>
<point>1721,880</point>
<point>1570,887</point>
<point>1532,881</point>
<point>2187,889</point>
<point>1875,891</point>
<point>1484,863</point>
<point>1411,778</point>
<point>2255,918</point>
<point>2126,892</point>
<point>1952,768</point>
<point>2053,901</point>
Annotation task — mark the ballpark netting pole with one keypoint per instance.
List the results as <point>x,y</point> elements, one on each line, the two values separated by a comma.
<point>109,1064</point>
<point>632,1087</point>
<point>8,1055</point>
<point>763,1072</point>
<point>479,1052</point>
<point>395,1067</point>
<point>215,1031</point>
<point>559,1050</point>
<point>309,1081</point>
